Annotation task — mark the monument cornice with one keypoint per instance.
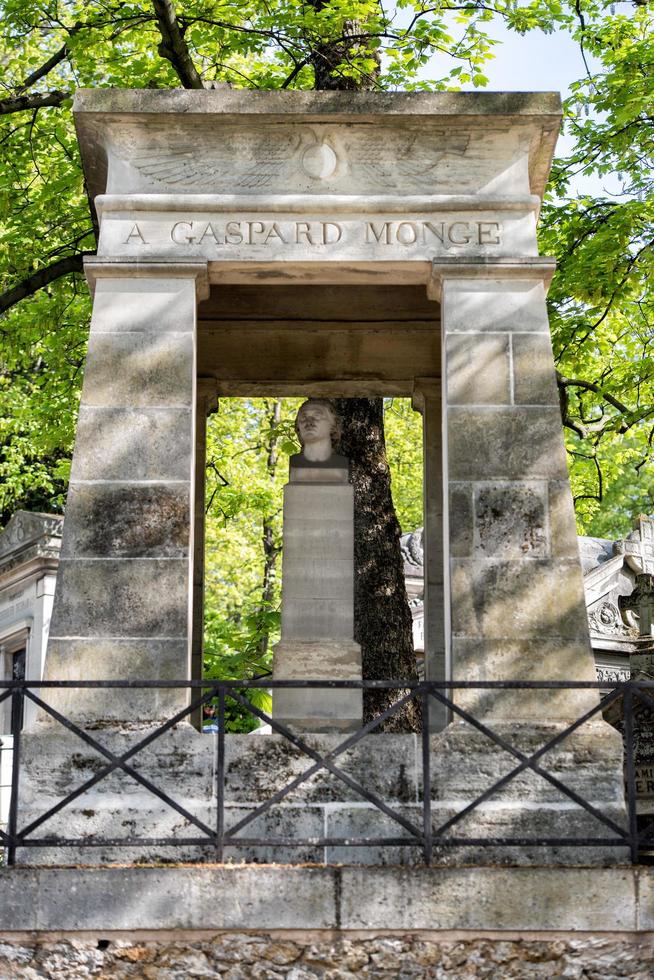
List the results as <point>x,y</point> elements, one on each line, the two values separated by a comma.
<point>322,144</point>
<point>240,102</point>
<point>303,203</point>
<point>126,267</point>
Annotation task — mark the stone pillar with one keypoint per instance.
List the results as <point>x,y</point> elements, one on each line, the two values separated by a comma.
<point>515,584</point>
<point>427,399</point>
<point>318,602</point>
<point>206,404</point>
<point>513,581</point>
<point>123,600</point>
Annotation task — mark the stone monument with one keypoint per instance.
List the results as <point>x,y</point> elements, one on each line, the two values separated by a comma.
<point>327,244</point>
<point>318,580</point>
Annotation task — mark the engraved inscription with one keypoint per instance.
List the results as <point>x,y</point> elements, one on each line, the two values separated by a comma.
<point>428,232</point>
<point>135,236</point>
<point>446,233</point>
<point>233,233</point>
<point>257,232</point>
<point>644,776</point>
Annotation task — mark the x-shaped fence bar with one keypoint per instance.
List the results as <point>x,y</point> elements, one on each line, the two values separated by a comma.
<point>426,836</point>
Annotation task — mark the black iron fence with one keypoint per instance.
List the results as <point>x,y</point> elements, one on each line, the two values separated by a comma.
<point>632,703</point>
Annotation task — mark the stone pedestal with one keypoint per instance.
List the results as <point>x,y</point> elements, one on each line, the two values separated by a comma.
<point>318,602</point>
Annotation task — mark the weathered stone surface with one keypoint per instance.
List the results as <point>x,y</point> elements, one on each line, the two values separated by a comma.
<point>129,822</point>
<point>510,521</point>
<point>465,763</point>
<point>489,898</point>
<point>181,760</point>
<point>365,821</point>
<point>292,822</point>
<point>318,618</point>
<point>258,766</point>
<point>524,660</point>
<point>234,956</point>
<point>325,539</point>
<point>318,503</point>
<point>305,898</point>
<point>311,578</point>
<point>127,521</point>
<point>645,909</point>
<point>494,305</point>
<point>18,903</point>
<point>317,659</point>
<point>505,443</point>
<point>461,523</point>
<point>318,710</point>
<point>478,369</point>
<point>189,897</point>
<point>563,530</point>
<point>139,369</point>
<point>156,305</point>
<point>518,599</point>
<point>534,379</point>
<point>117,659</point>
<point>132,444</point>
<point>121,597</point>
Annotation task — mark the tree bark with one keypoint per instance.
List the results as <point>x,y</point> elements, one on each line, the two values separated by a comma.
<point>37,100</point>
<point>271,548</point>
<point>326,56</point>
<point>173,47</point>
<point>383,622</point>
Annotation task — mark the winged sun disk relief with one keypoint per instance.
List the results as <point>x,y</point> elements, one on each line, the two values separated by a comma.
<point>377,159</point>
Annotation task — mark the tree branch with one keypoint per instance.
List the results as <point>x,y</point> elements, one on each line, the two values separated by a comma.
<point>592,386</point>
<point>45,68</point>
<point>21,103</point>
<point>173,47</point>
<point>41,278</point>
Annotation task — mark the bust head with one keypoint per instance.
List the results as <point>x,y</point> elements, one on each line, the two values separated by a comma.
<point>318,428</point>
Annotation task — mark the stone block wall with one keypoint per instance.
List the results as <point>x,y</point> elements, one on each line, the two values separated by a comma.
<point>463,764</point>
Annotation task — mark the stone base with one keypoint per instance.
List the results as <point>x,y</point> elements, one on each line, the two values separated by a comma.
<point>337,955</point>
<point>318,710</point>
<point>265,899</point>
<point>463,764</point>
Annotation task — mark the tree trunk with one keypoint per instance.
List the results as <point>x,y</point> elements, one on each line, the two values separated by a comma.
<point>383,622</point>
<point>271,548</point>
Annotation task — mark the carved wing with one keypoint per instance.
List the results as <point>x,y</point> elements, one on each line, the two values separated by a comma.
<point>412,160</point>
<point>214,160</point>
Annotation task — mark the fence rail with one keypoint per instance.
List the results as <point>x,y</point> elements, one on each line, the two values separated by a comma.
<point>635,698</point>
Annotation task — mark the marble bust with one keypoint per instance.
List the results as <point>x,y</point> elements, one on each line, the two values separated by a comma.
<point>318,428</point>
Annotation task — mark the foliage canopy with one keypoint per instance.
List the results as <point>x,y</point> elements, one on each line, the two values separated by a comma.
<point>602,313</point>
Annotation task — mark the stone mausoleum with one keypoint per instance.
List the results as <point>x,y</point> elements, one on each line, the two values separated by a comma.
<point>321,244</point>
